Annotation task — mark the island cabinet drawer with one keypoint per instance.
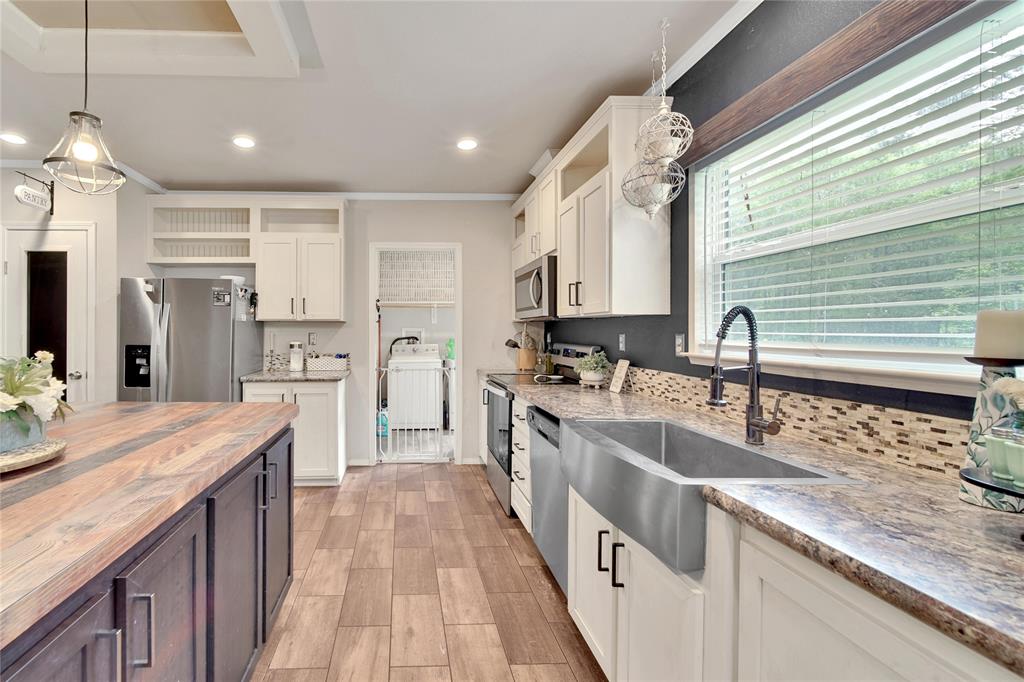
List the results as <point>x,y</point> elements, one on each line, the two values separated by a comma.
<point>86,646</point>
<point>161,606</point>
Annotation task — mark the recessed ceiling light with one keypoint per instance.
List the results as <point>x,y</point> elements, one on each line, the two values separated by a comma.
<point>466,144</point>
<point>13,138</point>
<point>243,141</point>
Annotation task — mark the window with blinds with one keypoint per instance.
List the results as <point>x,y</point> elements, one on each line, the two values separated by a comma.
<point>410,276</point>
<point>882,220</point>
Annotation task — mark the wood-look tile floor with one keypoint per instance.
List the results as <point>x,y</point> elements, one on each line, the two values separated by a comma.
<point>412,572</point>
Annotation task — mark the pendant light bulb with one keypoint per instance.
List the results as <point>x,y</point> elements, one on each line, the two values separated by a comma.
<point>80,160</point>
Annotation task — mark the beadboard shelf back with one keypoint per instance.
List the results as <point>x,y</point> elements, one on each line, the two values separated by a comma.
<point>224,229</point>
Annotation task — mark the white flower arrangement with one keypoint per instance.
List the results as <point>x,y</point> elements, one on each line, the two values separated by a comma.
<point>29,391</point>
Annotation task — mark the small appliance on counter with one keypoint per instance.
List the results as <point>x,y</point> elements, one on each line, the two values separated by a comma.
<point>182,340</point>
<point>296,357</point>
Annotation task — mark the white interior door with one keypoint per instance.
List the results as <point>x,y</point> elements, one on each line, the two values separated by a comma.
<point>46,306</point>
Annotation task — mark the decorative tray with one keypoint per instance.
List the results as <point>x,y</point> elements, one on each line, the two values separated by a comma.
<point>30,455</point>
<point>981,477</point>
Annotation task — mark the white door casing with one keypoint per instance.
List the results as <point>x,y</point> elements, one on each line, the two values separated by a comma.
<point>78,241</point>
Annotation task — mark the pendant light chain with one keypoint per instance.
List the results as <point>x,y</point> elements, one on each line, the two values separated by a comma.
<point>85,99</point>
<point>664,58</point>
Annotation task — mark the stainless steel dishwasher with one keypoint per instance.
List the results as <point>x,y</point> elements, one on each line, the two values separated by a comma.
<point>550,493</point>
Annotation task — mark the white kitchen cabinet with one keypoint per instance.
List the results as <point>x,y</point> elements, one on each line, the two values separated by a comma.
<point>277,284</point>
<point>592,599</point>
<point>612,258</point>
<point>593,293</point>
<point>800,621</point>
<point>547,218</point>
<point>520,256</point>
<point>641,620</point>
<point>320,457</point>
<point>299,277</point>
<point>482,422</point>
<point>660,630</point>
<point>568,261</point>
<point>320,287</point>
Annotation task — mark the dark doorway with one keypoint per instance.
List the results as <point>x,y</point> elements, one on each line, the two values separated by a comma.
<point>48,307</point>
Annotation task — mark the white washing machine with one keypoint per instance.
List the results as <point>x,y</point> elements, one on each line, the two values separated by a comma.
<point>415,386</point>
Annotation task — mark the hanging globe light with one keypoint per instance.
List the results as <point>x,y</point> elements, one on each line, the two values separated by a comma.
<point>667,135</point>
<point>651,185</point>
<point>80,160</point>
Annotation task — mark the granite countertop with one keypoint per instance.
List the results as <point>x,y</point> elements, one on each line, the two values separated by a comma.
<point>905,536</point>
<point>305,375</point>
<point>128,468</point>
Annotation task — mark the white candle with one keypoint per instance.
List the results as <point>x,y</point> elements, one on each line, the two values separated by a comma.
<point>999,334</point>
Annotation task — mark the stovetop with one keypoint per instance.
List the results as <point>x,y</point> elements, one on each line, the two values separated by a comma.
<point>506,380</point>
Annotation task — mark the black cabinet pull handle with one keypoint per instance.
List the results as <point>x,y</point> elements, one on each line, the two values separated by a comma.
<point>303,305</point>
<point>293,305</point>
<point>615,564</point>
<point>518,476</point>
<point>578,286</point>
<point>273,495</point>
<point>150,600</point>
<point>600,545</point>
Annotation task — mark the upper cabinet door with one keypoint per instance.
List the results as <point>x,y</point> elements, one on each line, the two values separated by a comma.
<point>547,209</point>
<point>276,278</point>
<point>532,228</point>
<point>595,243</point>
<point>320,294</point>
<point>568,260</point>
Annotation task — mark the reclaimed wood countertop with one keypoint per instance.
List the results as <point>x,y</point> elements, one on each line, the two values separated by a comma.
<point>128,468</point>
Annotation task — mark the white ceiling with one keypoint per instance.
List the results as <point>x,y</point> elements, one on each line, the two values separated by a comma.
<point>400,83</point>
<point>171,15</point>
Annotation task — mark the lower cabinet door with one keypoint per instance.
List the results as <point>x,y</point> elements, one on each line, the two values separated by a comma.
<point>161,606</point>
<point>660,618</point>
<point>316,430</point>
<point>86,647</point>
<point>236,573</point>
<point>278,534</point>
<point>591,595</point>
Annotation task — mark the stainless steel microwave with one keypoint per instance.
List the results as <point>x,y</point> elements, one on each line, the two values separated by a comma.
<point>535,289</point>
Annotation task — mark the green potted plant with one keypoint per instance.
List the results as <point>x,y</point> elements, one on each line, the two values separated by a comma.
<point>593,367</point>
<point>30,396</point>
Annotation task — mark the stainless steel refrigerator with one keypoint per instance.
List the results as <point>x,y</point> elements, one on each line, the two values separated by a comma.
<point>185,340</point>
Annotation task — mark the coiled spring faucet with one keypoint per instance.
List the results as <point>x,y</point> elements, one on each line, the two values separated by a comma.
<point>757,425</point>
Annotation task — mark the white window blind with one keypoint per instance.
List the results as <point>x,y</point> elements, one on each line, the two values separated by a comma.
<point>882,220</point>
<point>416,276</point>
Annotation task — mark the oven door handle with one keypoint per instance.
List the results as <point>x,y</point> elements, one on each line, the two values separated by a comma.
<point>498,391</point>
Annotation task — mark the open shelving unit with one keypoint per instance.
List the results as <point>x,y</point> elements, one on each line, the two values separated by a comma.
<point>223,229</point>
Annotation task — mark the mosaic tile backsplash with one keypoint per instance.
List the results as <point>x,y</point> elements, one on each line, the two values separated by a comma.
<point>892,436</point>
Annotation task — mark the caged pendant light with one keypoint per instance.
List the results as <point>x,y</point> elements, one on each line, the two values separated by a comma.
<point>657,179</point>
<point>81,161</point>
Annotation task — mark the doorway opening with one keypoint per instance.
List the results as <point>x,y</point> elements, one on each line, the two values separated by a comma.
<point>47,298</point>
<point>415,339</point>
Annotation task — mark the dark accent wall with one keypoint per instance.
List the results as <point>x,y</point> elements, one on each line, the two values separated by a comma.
<point>770,38</point>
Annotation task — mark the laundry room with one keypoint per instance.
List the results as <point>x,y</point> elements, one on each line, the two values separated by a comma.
<point>417,329</point>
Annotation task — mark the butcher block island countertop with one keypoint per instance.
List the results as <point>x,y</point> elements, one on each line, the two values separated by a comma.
<point>128,469</point>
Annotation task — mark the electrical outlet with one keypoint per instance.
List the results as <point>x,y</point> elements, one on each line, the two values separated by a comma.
<point>622,342</point>
<point>312,338</point>
<point>680,345</point>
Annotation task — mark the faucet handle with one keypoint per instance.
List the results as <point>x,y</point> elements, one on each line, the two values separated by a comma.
<point>775,408</point>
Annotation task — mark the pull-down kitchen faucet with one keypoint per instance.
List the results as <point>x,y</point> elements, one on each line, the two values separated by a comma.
<point>757,425</point>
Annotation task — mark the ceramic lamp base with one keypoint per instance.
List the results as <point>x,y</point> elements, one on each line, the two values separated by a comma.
<point>990,407</point>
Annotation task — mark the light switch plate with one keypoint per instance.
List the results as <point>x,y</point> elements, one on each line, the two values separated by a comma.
<point>680,345</point>
<point>312,338</point>
<point>622,342</point>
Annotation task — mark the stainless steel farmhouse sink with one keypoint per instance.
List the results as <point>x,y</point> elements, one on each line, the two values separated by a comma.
<point>645,477</point>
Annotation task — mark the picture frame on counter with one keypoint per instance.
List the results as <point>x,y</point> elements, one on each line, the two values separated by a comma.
<point>619,377</point>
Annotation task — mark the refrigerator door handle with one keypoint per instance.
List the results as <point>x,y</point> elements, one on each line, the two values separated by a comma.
<point>162,313</point>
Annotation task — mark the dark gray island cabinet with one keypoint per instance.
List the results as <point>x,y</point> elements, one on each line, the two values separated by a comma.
<point>194,600</point>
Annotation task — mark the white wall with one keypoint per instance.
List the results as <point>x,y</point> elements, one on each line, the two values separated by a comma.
<point>484,230</point>
<point>72,207</point>
<point>438,325</point>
